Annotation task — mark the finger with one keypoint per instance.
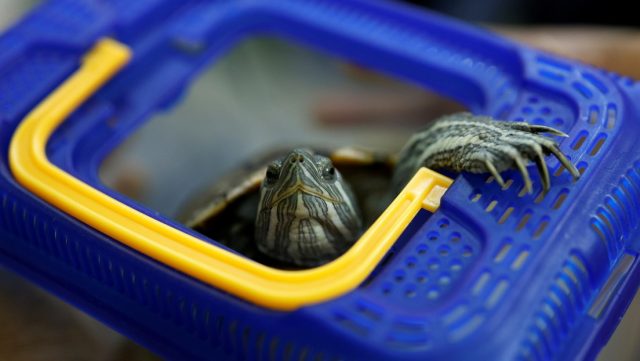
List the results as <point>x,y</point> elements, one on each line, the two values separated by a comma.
<point>564,161</point>
<point>523,170</point>
<point>494,172</point>
<point>530,148</point>
<point>542,169</point>
<point>545,129</point>
<point>534,129</point>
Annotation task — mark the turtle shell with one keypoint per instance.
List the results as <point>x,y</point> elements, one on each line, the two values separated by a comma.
<point>226,211</point>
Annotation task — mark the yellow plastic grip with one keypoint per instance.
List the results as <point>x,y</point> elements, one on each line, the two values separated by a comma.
<point>254,282</point>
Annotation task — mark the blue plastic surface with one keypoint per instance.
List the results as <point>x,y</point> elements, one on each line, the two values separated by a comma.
<point>468,283</point>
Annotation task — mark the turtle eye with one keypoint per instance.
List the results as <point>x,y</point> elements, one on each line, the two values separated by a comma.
<point>329,172</point>
<point>273,172</point>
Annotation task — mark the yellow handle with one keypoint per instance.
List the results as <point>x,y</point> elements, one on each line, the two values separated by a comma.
<point>273,288</point>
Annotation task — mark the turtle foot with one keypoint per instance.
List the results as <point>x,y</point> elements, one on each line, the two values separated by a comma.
<point>478,144</point>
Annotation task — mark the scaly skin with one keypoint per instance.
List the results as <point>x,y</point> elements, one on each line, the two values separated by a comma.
<point>307,215</point>
<point>463,142</point>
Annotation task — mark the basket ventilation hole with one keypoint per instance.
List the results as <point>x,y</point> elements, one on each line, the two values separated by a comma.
<point>433,294</point>
<point>422,277</point>
<point>386,288</point>
<point>260,344</point>
<point>604,220</point>
<point>506,215</point>
<point>594,114</point>
<point>497,293</point>
<point>507,184</point>
<point>455,266</point>
<point>595,147</point>
<point>422,249</point>
<point>444,250</point>
<point>273,348</point>
<point>519,261</point>
<point>523,192</point>
<point>503,251</point>
<point>577,144</point>
<point>411,262</point>
<point>481,283</point>
<point>558,122</point>
<point>538,121</point>
<point>541,227</point>
<point>444,280</point>
<point>560,199</point>
<point>523,221</point>
<point>582,167</point>
<point>611,116</point>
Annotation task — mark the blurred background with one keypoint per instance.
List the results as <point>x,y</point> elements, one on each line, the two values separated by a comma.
<point>267,92</point>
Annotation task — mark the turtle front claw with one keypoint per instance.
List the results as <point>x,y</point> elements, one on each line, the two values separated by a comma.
<point>476,144</point>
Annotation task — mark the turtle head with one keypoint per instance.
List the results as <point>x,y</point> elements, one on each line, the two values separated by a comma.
<point>307,213</point>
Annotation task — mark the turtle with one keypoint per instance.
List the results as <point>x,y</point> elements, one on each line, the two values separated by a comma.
<point>304,207</point>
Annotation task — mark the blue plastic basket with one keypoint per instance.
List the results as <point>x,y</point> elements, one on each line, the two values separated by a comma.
<point>492,275</point>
